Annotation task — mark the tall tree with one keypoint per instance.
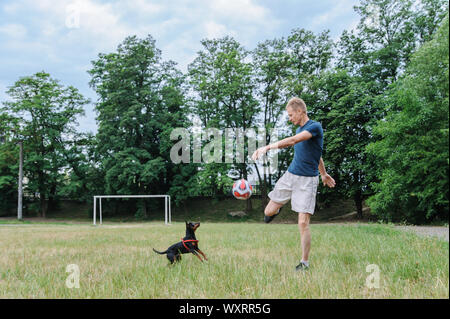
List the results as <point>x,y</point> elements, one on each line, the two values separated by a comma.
<point>374,56</point>
<point>388,33</point>
<point>140,101</point>
<point>9,158</point>
<point>223,90</point>
<point>310,54</point>
<point>83,178</point>
<point>414,143</point>
<point>427,17</point>
<point>345,107</point>
<point>387,29</point>
<point>46,115</point>
<point>271,63</point>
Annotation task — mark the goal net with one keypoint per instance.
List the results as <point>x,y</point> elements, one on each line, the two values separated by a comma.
<point>167,214</point>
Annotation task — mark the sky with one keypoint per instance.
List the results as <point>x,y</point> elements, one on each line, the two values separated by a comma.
<point>62,37</point>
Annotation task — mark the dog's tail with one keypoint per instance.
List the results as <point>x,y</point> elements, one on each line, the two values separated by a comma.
<point>158,252</point>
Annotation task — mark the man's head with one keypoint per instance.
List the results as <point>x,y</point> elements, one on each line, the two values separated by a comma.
<point>296,109</point>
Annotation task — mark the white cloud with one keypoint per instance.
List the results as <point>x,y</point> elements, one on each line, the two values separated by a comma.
<point>83,21</point>
<point>146,7</point>
<point>336,11</point>
<point>337,15</point>
<point>99,19</point>
<point>216,30</point>
<point>102,26</point>
<point>98,24</point>
<point>242,10</point>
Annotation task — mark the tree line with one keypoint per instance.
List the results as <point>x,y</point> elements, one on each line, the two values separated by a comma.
<point>380,92</point>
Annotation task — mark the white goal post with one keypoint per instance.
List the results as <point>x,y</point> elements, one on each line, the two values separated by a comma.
<point>167,217</point>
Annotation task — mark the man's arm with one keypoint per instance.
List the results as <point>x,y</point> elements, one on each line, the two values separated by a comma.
<point>287,142</point>
<point>290,141</point>
<point>322,169</point>
<point>327,180</point>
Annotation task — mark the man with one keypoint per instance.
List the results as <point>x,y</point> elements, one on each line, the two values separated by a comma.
<point>299,183</point>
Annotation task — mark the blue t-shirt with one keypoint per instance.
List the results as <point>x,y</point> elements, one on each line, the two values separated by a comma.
<point>307,153</point>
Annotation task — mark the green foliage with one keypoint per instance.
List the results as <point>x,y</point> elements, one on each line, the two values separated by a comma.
<point>283,68</point>
<point>223,98</point>
<point>9,159</point>
<point>141,101</point>
<point>309,54</point>
<point>388,33</point>
<point>345,107</point>
<point>427,17</point>
<point>272,71</point>
<point>83,177</point>
<point>413,146</point>
<point>8,176</point>
<point>374,56</point>
<point>44,113</point>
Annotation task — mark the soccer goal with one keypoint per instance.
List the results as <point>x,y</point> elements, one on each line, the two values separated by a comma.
<point>167,217</point>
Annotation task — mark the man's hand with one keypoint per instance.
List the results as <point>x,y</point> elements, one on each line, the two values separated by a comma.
<point>327,180</point>
<point>260,152</point>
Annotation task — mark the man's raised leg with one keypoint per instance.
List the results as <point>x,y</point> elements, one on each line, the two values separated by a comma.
<point>271,210</point>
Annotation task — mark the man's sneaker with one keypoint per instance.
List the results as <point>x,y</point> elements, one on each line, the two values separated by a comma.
<point>268,219</point>
<point>302,266</point>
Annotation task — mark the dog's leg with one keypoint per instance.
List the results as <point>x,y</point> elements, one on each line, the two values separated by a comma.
<point>171,257</point>
<point>197,255</point>
<point>203,254</point>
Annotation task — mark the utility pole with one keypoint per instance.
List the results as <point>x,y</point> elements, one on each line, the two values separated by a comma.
<point>19,204</point>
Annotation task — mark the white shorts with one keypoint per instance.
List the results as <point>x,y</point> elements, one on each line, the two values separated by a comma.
<point>301,190</point>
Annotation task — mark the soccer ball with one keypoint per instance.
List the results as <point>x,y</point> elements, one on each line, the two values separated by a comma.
<point>242,189</point>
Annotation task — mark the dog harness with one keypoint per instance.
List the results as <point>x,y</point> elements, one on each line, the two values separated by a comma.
<point>195,241</point>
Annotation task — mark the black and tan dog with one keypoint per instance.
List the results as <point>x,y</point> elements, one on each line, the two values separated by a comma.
<point>188,244</point>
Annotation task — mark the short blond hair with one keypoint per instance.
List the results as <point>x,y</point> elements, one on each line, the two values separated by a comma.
<point>296,104</point>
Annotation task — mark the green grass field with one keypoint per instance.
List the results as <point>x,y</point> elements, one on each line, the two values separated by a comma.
<point>246,260</point>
